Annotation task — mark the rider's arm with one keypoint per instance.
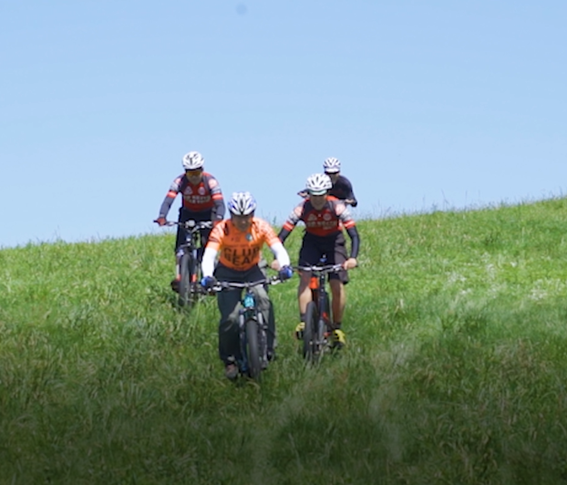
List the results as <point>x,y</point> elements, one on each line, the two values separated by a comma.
<point>174,189</point>
<point>355,241</point>
<point>166,204</point>
<point>208,261</point>
<point>280,254</point>
<point>291,221</point>
<point>218,209</point>
<point>350,198</point>
<point>283,234</point>
<point>216,195</point>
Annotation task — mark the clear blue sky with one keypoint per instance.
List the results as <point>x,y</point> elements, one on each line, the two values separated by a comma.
<point>445,104</point>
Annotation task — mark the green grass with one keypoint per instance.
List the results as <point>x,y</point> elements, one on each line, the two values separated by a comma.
<point>454,372</point>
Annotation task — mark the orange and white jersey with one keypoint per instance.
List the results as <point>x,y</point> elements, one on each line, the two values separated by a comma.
<point>328,221</point>
<point>241,250</point>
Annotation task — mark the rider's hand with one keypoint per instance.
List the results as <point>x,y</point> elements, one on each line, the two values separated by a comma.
<point>350,263</point>
<point>285,273</point>
<point>208,282</point>
<point>275,265</point>
<point>161,221</point>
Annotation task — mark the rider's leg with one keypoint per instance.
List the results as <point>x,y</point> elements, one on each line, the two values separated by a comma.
<point>179,240</point>
<point>229,344</point>
<point>304,292</point>
<point>266,308</point>
<point>203,233</point>
<point>228,304</point>
<point>337,281</point>
<point>338,300</point>
<point>309,254</point>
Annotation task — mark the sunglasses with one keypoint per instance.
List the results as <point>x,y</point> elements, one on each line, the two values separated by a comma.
<point>193,173</point>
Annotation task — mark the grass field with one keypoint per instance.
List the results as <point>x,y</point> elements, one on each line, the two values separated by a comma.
<point>454,371</point>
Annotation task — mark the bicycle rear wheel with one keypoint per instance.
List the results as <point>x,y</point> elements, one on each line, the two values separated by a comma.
<point>253,353</point>
<point>311,338</point>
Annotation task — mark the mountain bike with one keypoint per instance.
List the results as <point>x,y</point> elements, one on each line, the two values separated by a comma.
<point>318,321</point>
<point>189,261</point>
<point>253,330</point>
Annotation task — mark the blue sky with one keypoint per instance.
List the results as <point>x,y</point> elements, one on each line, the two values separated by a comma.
<point>437,104</point>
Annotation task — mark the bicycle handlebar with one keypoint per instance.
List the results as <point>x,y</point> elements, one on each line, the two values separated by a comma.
<point>225,285</point>
<point>327,268</point>
<point>191,225</point>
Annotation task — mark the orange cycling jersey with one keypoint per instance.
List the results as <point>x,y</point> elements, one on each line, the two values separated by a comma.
<point>241,250</point>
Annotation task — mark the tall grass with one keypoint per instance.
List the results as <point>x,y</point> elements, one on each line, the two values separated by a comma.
<point>454,371</point>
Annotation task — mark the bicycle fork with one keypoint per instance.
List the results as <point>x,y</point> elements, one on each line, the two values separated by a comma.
<point>251,312</point>
<point>321,298</point>
<point>193,262</point>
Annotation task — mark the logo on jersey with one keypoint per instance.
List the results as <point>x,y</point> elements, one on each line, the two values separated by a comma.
<point>241,256</point>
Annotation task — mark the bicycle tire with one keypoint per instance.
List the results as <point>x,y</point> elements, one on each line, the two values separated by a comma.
<point>311,342</point>
<point>253,349</point>
<point>196,276</point>
<point>186,270</point>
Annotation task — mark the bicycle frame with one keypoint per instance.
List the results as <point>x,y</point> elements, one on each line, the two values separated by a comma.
<point>192,229</point>
<point>188,260</point>
<point>320,296</point>
<point>318,321</point>
<point>252,327</point>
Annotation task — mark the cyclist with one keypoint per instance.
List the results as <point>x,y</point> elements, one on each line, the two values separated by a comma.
<point>202,200</point>
<point>324,217</point>
<point>238,241</point>
<point>341,186</point>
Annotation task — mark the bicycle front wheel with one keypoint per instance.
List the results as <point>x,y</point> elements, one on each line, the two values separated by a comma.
<point>187,274</point>
<point>311,338</point>
<point>252,329</point>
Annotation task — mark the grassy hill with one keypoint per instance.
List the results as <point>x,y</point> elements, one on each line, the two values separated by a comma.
<point>454,373</point>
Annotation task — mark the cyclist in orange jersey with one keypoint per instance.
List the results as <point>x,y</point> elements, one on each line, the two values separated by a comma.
<point>238,242</point>
<point>202,200</point>
<point>324,217</point>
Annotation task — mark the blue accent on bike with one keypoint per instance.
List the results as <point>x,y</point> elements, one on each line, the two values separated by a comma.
<point>248,301</point>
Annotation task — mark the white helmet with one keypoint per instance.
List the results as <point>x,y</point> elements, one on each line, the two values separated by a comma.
<point>318,183</point>
<point>193,161</point>
<point>242,204</point>
<point>332,165</point>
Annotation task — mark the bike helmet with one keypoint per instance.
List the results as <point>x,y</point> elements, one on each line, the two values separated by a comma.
<point>332,165</point>
<point>193,161</point>
<point>318,184</point>
<point>242,204</point>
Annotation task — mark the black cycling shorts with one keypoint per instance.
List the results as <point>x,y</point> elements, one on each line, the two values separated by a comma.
<point>333,247</point>
<point>184,216</point>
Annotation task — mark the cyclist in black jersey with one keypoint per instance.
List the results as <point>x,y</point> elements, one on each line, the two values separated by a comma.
<point>341,186</point>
